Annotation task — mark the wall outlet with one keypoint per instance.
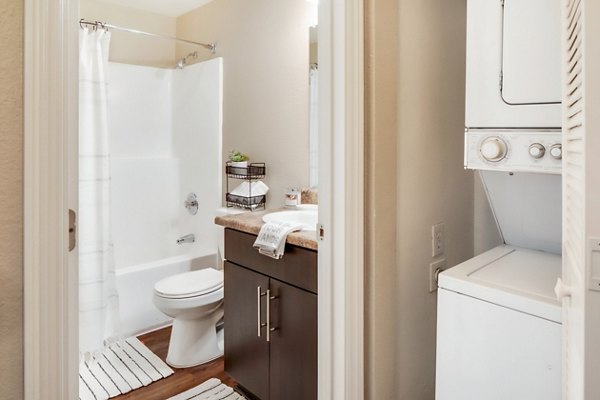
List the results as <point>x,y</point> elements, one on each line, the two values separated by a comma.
<point>437,240</point>
<point>434,269</point>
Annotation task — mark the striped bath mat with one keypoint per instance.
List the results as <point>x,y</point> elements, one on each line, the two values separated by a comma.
<point>123,367</point>
<point>212,389</point>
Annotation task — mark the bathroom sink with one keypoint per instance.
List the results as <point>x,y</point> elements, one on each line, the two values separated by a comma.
<point>305,216</point>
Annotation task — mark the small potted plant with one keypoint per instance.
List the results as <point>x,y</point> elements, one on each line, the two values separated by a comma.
<point>238,159</point>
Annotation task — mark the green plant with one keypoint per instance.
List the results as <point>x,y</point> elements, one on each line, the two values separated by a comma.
<point>237,156</point>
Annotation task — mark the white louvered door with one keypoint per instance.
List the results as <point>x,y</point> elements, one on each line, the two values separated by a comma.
<point>573,201</point>
<point>581,199</point>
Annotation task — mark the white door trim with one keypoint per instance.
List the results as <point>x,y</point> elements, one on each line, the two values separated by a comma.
<point>51,125</point>
<point>341,201</point>
<point>50,287</point>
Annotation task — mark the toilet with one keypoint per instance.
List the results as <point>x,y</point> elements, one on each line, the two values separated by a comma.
<point>195,302</point>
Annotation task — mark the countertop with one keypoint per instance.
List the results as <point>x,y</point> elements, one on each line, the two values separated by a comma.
<point>251,222</point>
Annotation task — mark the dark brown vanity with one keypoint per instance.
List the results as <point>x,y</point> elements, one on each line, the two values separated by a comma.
<point>270,319</point>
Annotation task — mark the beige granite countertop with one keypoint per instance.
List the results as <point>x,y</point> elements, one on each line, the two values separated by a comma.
<point>251,222</point>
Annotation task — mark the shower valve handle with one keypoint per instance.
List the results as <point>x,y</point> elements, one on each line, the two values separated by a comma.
<point>191,203</point>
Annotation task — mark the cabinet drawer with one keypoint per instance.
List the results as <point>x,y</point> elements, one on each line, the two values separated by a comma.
<point>298,266</point>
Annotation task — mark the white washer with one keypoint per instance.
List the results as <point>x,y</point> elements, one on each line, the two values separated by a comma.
<point>499,327</point>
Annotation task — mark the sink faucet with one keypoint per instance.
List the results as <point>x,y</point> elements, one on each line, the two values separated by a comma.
<point>187,239</point>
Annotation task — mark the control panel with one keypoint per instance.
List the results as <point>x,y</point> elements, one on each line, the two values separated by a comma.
<point>514,150</point>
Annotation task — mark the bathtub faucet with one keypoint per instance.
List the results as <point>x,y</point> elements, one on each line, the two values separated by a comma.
<point>187,239</point>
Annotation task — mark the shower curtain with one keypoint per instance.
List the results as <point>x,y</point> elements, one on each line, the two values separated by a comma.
<point>98,299</point>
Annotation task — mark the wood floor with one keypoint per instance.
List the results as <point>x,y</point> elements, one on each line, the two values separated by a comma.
<point>182,380</point>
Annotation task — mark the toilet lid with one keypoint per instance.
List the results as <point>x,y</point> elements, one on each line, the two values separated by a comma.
<point>188,284</point>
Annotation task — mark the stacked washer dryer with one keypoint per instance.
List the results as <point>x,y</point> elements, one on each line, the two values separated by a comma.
<point>499,323</point>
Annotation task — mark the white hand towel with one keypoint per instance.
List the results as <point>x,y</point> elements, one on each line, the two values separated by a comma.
<point>247,189</point>
<point>271,238</point>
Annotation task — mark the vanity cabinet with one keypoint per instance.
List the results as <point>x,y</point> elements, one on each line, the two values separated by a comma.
<point>271,320</point>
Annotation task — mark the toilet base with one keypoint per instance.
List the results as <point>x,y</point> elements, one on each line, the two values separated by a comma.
<point>194,341</point>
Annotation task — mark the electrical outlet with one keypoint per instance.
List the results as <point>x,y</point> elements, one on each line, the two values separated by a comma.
<point>437,240</point>
<point>434,269</point>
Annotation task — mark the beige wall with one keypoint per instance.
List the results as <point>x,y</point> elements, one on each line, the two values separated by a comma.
<point>381,137</point>
<point>264,45</point>
<point>415,52</point>
<point>133,48</point>
<point>432,186</point>
<point>11,210</point>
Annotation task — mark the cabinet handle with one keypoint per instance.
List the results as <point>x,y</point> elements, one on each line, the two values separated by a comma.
<point>269,329</point>
<point>268,315</point>
<point>258,310</point>
<point>259,324</point>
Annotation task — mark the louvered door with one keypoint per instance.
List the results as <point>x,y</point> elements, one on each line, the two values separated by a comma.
<point>581,199</point>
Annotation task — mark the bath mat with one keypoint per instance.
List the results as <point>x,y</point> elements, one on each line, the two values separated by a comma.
<point>123,367</point>
<point>212,389</point>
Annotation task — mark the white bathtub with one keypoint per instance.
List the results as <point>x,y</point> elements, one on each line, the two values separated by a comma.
<point>135,285</point>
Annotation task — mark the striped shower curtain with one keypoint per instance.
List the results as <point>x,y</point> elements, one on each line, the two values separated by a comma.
<point>98,299</point>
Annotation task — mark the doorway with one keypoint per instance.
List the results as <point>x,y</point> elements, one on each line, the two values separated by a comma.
<point>50,281</point>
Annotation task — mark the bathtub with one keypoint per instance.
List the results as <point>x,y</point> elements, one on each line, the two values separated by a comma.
<point>135,285</point>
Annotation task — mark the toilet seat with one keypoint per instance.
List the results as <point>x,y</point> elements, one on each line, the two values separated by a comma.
<point>190,284</point>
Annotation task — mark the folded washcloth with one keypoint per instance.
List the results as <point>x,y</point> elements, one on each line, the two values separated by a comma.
<point>247,189</point>
<point>271,238</point>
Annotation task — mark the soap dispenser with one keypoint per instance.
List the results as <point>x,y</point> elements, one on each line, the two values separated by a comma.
<point>292,197</point>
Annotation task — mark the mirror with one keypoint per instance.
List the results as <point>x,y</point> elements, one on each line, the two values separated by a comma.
<point>313,109</point>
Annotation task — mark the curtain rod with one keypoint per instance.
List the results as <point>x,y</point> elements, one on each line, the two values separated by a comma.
<point>102,25</point>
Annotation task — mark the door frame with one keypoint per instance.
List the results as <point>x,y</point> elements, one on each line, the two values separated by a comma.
<point>50,151</point>
<point>50,189</point>
<point>341,200</point>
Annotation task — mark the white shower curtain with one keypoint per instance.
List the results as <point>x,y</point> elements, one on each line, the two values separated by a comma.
<point>98,299</point>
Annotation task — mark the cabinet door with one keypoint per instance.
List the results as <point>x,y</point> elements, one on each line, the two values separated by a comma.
<point>246,354</point>
<point>293,343</point>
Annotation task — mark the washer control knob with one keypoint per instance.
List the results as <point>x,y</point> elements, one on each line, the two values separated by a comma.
<point>493,149</point>
<point>537,150</point>
<point>556,151</point>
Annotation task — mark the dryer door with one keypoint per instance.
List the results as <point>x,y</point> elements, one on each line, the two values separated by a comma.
<point>513,64</point>
<point>531,52</point>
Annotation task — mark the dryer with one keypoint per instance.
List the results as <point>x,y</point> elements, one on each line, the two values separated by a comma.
<point>513,85</point>
<point>513,71</point>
